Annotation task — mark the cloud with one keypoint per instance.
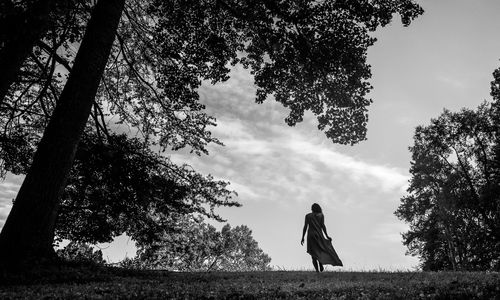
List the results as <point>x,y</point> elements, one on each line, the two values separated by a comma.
<point>276,161</point>
<point>361,172</point>
<point>283,164</point>
<point>389,232</point>
<point>8,191</point>
<point>451,81</point>
<point>4,211</point>
<point>6,196</point>
<point>244,191</point>
<point>8,188</point>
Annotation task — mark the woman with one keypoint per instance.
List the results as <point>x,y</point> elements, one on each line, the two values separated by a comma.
<point>320,249</point>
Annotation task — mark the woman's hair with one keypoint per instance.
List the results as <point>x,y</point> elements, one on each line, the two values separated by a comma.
<point>316,208</point>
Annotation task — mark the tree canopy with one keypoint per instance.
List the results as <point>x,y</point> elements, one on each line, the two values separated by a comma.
<point>309,55</point>
<point>121,186</point>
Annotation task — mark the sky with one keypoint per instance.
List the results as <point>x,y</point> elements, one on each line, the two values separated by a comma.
<point>444,59</point>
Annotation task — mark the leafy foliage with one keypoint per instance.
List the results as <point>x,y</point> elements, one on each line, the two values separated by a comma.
<point>31,100</point>
<point>310,55</point>
<point>453,205</point>
<point>82,253</point>
<point>194,245</point>
<point>122,186</point>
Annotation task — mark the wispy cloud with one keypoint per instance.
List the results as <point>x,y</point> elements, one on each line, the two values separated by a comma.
<point>264,154</point>
<point>278,163</point>
<point>361,172</point>
<point>389,232</point>
<point>4,212</point>
<point>451,81</point>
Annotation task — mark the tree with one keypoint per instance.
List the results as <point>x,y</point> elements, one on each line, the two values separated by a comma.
<point>197,246</point>
<point>310,55</point>
<point>121,186</point>
<point>29,229</point>
<point>453,215</point>
<point>240,251</point>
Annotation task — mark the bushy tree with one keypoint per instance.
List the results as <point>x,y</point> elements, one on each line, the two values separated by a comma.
<point>121,186</point>
<point>453,204</point>
<point>117,184</point>
<point>193,245</point>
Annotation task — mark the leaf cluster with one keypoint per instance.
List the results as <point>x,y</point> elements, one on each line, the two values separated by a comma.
<point>122,186</point>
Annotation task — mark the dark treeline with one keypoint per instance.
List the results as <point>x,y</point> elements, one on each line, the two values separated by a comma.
<point>453,201</point>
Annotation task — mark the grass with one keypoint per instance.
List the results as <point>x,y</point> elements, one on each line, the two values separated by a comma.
<point>115,283</point>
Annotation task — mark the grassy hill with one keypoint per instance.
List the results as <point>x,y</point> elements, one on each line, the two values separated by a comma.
<point>109,283</point>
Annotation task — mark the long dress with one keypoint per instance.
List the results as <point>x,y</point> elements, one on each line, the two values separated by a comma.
<point>318,246</point>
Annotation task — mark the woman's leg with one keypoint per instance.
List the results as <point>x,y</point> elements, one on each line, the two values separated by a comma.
<point>315,264</point>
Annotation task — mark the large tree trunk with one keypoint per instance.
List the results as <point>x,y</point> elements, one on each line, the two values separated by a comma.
<point>19,30</point>
<point>28,233</point>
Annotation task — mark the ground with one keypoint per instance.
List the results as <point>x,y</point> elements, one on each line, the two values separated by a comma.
<point>110,283</point>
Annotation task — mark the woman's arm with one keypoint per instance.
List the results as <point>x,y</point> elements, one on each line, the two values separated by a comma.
<point>304,231</point>
<point>324,227</point>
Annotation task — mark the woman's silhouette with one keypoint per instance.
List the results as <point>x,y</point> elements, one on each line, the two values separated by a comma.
<point>320,249</point>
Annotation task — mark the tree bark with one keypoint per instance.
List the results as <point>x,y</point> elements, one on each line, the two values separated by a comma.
<point>28,234</point>
<point>19,31</point>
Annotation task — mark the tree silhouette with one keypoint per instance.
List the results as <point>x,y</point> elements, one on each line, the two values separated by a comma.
<point>121,186</point>
<point>29,229</point>
<point>452,205</point>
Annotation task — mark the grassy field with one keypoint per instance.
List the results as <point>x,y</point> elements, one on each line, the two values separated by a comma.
<point>126,284</point>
